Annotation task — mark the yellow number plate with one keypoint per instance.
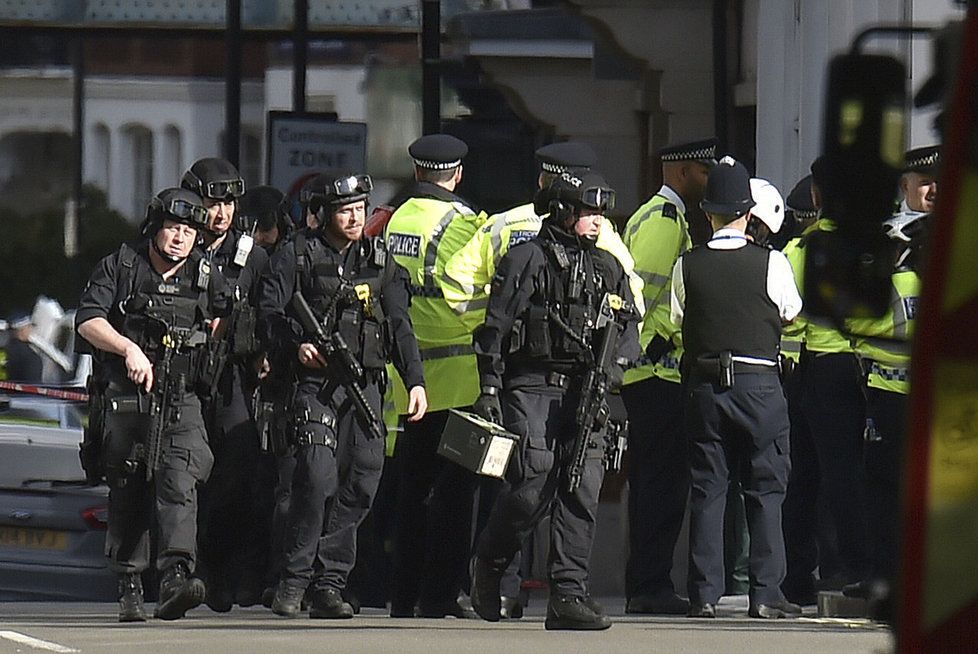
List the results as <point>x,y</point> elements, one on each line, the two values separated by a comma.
<point>34,539</point>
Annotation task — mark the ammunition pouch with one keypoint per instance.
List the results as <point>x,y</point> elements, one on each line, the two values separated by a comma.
<point>375,340</point>
<point>536,342</point>
<point>544,334</point>
<point>242,330</point>
<point>367,339</point>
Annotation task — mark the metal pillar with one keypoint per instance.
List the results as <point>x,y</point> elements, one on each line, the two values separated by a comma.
<point>430,56</point>
<point>232,84</point>
<point>300,54</point>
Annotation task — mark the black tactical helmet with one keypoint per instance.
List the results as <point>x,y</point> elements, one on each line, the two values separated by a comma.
<point>572,191</point>
<point>262,206</point>
<point>176,204</point>
<point>215,179</point>
<point>327,189</point>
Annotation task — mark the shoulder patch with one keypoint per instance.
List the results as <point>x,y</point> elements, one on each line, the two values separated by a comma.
<point>669,210</point>
<point>518,236</point>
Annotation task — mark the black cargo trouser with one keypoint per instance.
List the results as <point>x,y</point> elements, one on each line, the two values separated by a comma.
<point>658,483</point>
<point>884,468</point>
<point>740,428</point>
<point>432,538</point>
<point>800,510</point>
<point>333,486</point>
<point>171,494</point>
<point>235,538</point>
<point>544,418</point>
<point>834,407</point>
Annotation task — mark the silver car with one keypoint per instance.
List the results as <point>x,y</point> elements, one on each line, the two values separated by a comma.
<point>52,524</point>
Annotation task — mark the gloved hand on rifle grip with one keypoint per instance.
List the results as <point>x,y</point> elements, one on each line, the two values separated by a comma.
<point>488,408</point>
<point>657,348</point>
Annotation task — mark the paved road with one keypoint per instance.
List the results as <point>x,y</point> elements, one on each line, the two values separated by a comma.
<point>91,628</point>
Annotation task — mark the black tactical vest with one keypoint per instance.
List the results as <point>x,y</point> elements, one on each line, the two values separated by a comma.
<point>243,319</point>
<point>558,326</point>
<point>156,309</point>
<point>348,301</point>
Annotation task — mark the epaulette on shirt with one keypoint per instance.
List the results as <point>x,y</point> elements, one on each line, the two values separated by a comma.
<point>669,210</point>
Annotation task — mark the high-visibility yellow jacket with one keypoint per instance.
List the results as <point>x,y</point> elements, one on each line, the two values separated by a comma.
<point>884,343</point>
<point>421,236</point>
<point>818,333</point>
<point>656,235</point>
<point>468,273</point>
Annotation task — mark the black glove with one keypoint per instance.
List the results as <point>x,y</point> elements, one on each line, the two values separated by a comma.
<point>487,407</point>
<point>657,348</point>
<point>616,408</point>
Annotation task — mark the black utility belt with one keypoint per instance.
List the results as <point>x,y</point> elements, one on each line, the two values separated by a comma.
<point>723,368</point>
<point>708,368</point>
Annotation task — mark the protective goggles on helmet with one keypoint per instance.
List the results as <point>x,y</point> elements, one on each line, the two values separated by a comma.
<point>218,189</point>
<point>339,188</point>
<point>598,197</point>
<point>181,210</point>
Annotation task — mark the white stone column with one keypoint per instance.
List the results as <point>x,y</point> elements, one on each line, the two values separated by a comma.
<point>120,171</point>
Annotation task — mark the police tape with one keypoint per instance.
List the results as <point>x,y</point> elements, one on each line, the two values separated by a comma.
<point>30,389</point>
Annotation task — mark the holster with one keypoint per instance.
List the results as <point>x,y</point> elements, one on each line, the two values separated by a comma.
<point>725,370</point>
<point>90,449</point>
<point>271,423</point>
<point>213,357</point>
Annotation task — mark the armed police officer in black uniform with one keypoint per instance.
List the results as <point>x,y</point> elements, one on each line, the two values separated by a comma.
<point>559,329</point>
<point>263,210</point>
<point>730,297</point>
<point>145,311</point>
<point>234,540</point>
<point>336,306</point>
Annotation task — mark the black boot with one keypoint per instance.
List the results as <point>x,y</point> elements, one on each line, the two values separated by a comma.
<point>131,598</point>
<point>179,592</point>
<point>219,597</point>
<point>573,612</point>
<point>288,600</point>
<point>329,604</point>
<point>487,575</point>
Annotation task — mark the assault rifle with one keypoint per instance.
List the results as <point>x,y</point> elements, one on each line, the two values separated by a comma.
<point>595,428</point>
<point>164,383</point>
<point>343,369</point>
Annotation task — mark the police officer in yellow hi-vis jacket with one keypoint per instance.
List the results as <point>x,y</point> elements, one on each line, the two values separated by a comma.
<point>470,270</point>
<point>434,499</point>
<point>832,407</point>
<point>658,478</point>
<point>883,347</point>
